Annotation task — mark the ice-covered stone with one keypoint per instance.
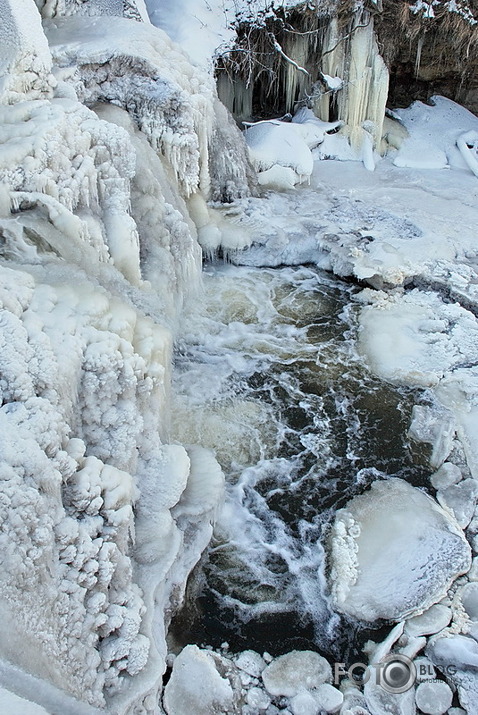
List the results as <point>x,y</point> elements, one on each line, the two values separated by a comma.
<point>431,621</point>
<point>295,671</point>
<point>394,552</point>
<point>304,703</point>
<point>469,599</point>
<point>461,499</point>
<point>447,475</point>
<point>258,699</point>
<point>457,650</point>
<point>425,669</point>
<point>354,701</point>
<point>413,647</point>
<point>328,698</point>
<point>380,701</point>
<point>195,685</point>
<point>433,698</point>
<point>250,662</point>
<point>473,572</point>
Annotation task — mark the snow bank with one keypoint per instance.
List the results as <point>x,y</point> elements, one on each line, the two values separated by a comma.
<point>393,553</point>
<point>274,143</point>
<point>206,27</point>
<point>433,134</point>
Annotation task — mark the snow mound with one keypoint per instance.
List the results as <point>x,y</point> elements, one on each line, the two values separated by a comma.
<point>274,143</point>
<point>433,134</point>
<point>279,143</point>
<point>393,553</point>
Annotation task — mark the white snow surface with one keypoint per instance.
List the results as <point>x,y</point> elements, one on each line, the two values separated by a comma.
<point>433,133</point>
<point>206,27</point>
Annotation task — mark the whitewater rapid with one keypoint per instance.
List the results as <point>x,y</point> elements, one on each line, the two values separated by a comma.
<point>267,373</point>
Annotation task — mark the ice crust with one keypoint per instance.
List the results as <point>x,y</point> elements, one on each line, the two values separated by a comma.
<point>394,553</point>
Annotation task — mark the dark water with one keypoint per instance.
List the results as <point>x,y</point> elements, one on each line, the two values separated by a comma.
<point>268,375</point>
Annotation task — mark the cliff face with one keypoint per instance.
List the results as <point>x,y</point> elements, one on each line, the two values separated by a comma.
<point>430,50</point>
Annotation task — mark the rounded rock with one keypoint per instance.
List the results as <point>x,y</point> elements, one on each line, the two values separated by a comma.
<point>295,671</point>
<point>328,698</point>
<point>433,698</point>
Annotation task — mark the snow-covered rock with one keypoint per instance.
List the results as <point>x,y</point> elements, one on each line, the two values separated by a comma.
<point>393,553</point>
<point>447,475</point>
<point>431,621</point>
<point>196,686</point>
<point>274,143</point>
<point>433,131</point>
<point>295,671</point>
<point>433,698</point>
<point>250,662</point>
<point>461,499</point>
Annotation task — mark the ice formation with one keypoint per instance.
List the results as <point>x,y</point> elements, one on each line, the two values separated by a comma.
<point>281,151</point>
<point>102,518</point>
<point>394,553</point>
<point>111,143</point>
<point>362,95</point>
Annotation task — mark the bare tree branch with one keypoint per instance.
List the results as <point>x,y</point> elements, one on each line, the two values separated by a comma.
<point>286,57</point>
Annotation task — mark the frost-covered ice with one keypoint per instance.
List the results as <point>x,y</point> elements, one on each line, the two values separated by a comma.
<point>14,705</point>
<point>196,686</point>
<point>394,553</point>
<point>290,673</point>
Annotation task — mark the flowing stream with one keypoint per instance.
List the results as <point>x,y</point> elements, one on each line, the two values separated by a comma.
<point>268,375</point>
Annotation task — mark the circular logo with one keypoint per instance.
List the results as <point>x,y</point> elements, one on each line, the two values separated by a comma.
<point>398,674</point>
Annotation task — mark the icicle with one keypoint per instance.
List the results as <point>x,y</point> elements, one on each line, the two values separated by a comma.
<point>418,56</point>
